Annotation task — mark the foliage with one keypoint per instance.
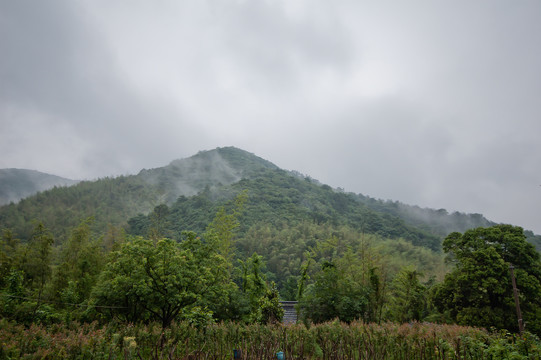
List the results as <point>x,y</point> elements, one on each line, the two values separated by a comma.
<point>334,294</point>
<point>16,184</point>
<point>222,230</point>
<point>81,259</point>
<point>108,201</point>
<point>152,280</point>
<point>36,259</point>
<point>434,221</point>
<point>325,341</point>
<point>9,245</point>
<point>478,291</point>
<point>25,275</point>
<point>269,310</point>
<point>276,197</point>
<point>408,300</point>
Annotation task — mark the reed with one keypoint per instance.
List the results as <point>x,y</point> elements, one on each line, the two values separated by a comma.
<point>333,340</point>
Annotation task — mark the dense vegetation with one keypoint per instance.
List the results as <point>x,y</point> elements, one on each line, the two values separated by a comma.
<point>220,174</point>
<point>344,275</point>
<point>111,252</point>
<point>221,341</point>
<point>473,292</point>
<point>109,201</point>
<point>17,184</point>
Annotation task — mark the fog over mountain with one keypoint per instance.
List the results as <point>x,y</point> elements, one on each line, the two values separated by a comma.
<point>428,103</point>
<point>16,184</point>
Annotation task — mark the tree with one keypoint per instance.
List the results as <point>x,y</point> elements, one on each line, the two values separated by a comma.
<point>29,269</point>
<point>478,291</point>
<point>408,301</point>
<point>9,247</point>
<point>37,267</point>
<point>270,309</point>
<point>159,222</point>
<point>253,284</point>
<point>221,231</point>
<point>81,261</point>
<point>334,295</point>
<point>163,280</point>
<point>219,294</point>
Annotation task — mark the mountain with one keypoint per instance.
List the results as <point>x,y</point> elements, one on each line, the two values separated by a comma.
<point>187,177</point>
<point>193,189</point>
<point>112,201</point>
<point>280,199</point>
<point>16,184</point>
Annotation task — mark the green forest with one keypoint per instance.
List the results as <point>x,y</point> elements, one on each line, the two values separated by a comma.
<point>132,260</point>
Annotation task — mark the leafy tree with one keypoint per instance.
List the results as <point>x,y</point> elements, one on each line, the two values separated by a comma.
<point>159,222</point>
<point>9,247</point>
<point>28,268</point>
<point>14,296</point>
<point>163,280</point>
<point>377,295</point>
<point>478,291</point>
<point>334,295</point>
<point>81,261</point>
<point>253,284</point>
<point>304,277</point>
<point>220,294</point>
<point>147,280</point>
<point>270,310</point>
<point>409,296</point>
<point>113,238</point>
<point>37,267</point>
<point>221,231</point>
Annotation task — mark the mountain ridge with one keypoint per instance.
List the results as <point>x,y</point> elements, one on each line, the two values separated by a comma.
<point>16,184</point>
<point>114,201</point>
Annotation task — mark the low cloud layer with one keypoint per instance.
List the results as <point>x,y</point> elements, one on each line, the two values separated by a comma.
<point>429,103</point>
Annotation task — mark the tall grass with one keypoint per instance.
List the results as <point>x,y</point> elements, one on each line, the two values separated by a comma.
<point>333,340</point>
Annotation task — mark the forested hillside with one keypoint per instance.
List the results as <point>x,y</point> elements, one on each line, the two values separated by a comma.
<point>16,184</point>
<point>206,179</point>
<point>436,222</point>
<point>112,201</point>
<point>276,198</point>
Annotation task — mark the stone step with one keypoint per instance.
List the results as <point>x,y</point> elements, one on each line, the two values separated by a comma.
<point>290,313</point>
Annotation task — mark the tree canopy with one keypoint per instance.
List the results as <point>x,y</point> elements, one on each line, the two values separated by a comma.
<point>478,291</point>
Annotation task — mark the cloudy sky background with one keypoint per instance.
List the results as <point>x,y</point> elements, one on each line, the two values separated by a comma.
<point>430,103</point>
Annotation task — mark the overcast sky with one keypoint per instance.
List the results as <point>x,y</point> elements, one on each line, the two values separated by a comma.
<point>431,103</point>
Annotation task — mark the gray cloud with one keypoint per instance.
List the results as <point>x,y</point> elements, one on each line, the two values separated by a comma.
<point>429,103</point>
<point>64,92</point>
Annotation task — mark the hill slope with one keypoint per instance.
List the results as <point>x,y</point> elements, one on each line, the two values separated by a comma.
<point>277,198</point>
<point>112,201</point>
<point>195,187</point>
<point>187,177</point>
<point>16,184</point>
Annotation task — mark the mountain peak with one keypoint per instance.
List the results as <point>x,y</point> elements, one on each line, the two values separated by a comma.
<point>208,168</point>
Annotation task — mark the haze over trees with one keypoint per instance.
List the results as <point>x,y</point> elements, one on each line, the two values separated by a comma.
<point>17,184</point>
